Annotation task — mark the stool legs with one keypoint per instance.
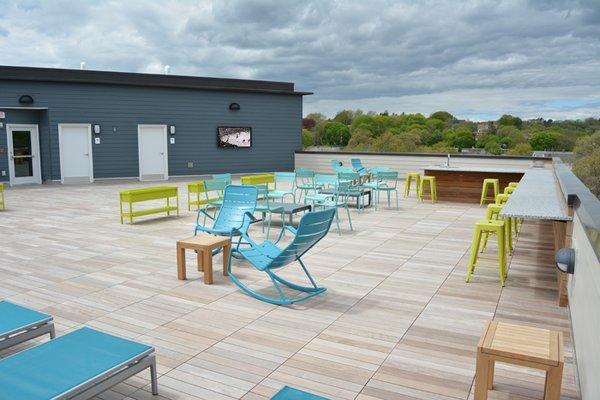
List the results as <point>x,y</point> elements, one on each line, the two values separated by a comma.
<point>474,249</point>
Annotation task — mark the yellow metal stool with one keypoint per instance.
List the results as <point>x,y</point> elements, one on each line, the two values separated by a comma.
<point>432,188</point>
<point>509,190</point>
<point>495,184</point>
<point>502,198</point>
<point>513,184</point>
<point>491,226</point>
<point>493,213</point>
<point>2,195</point>
<point>410,176</point>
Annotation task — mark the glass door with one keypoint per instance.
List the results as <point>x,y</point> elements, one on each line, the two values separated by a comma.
<point>23,147</point>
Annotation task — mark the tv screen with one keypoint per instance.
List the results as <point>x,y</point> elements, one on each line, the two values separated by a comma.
<point>230,137</point>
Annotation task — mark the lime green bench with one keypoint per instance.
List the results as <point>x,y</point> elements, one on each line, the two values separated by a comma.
<point>147,194</point>
<point>197,190</point>
<point>260,179</point>
<point>2,196</point>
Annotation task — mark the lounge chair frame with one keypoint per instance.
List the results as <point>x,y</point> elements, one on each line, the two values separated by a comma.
<point>27,332</point>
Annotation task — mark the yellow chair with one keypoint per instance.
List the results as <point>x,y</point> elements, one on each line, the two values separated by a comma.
<point>430,180</point>
<point>509,190</point>
<point>502,198</point>
<point>513,184</point>
<point>410,176</point>
<point>493,213</point>
<point>2,195</point>
<point>490,226</point>
<point>495,184</point>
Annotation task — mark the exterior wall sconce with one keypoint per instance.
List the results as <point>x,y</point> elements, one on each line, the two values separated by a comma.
<point>97,129</point>
<point>565,260</point>
<point>172,129</point>
<point>234,107</point>
<point>26,99</point>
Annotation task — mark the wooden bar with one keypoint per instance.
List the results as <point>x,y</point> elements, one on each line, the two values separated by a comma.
<point>465,185</point>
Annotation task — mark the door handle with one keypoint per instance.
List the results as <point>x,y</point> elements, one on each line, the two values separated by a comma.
<point>86,154</point>
<point>162,154</point>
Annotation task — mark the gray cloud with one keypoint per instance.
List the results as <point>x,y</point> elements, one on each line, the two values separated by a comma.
<point>477,59</point>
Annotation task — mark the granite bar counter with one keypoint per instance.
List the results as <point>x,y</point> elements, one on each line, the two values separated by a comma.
<point>464,184</point>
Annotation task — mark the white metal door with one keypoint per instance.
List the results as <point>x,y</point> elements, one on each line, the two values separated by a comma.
<point>75,144</point>
<point>24,154</point>
<point>152,149</point>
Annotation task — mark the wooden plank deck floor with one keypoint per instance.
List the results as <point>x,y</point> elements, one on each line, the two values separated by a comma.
<point>397,321</point>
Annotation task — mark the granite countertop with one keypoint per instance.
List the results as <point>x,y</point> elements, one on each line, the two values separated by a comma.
<point>499,170</point>
<point>537,197</point>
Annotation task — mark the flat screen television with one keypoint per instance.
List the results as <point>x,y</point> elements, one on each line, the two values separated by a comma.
<point>232,137</point>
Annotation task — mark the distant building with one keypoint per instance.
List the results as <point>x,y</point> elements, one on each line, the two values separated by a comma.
<point>485,128</point>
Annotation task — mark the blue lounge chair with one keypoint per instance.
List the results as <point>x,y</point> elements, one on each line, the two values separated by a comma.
<point>234,216</point>
<point>19,324</point>
<point>290,393</point>
<point>78,365</point>
<point>268,257</point>
<point>358,166</point>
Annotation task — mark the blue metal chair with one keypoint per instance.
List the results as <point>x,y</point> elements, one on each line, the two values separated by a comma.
<point>384,181</point>
<point>338,198</point>
<point>267,207</point>
<point>283,178</point>
<point>223,177</point>
<point>234,216</point>
<point>268,257</point>
<point>355,186</point>
<point>358,166</point>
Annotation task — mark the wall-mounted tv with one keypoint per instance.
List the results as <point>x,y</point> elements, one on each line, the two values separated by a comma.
<point>232,137</point>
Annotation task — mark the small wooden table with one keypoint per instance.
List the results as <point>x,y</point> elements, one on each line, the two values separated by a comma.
<point>520,345</point>
<point>204,245</point>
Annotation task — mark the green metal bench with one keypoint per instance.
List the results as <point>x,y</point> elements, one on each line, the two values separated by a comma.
<point>260,179</point>
<point>147,194</point>
<point>197,196</point>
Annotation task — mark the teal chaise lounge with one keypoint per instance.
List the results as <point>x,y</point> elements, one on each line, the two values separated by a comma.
<point>19,324</point>
<point>290,393</point>
<point>78,365</point>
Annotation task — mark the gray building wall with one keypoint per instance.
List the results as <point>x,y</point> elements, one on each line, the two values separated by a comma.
<point>275,120</point>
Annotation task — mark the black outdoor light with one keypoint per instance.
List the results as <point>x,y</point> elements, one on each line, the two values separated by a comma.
<point>26,99</point>
<point>234,107</point>
<point>565,260</point>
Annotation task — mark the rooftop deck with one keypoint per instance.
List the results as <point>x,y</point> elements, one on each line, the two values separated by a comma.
<point>397,321</point>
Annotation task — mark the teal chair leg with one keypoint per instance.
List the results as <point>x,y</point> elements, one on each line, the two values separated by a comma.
<point>397,203</point>
<point>349,218</point>
<point>337,221</point>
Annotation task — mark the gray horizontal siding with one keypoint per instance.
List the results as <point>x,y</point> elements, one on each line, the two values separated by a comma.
<point>275,120</point>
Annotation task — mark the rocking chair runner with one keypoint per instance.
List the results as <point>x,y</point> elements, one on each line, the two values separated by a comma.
<point>234,216</point>
<point>268,257</point>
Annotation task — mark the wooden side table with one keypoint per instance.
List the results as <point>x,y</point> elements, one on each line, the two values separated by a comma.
<point>204,245</point>
<point>520,345</point>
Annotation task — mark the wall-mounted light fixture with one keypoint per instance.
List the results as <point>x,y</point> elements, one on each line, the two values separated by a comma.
<point>26,99</point>
<point>97,129</point>
<point>234,107</point>
<point>565,260</point>
<point>172,129</point>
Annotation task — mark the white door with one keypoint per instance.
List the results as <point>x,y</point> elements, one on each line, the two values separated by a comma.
<point>75,145</point>
<point>152,149</point>
<point>24,154</point>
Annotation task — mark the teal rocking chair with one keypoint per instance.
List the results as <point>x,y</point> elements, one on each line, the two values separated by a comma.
<point>268,257</point>
<point>234,216</point>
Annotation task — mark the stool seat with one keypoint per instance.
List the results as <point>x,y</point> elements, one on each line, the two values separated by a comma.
<point>513,184</point>
<point>521,345</point>
<point>487,183</point>
<point>410,176</point>
<point>509,190</point>
<point>493,213</point>
<point>431,182</point>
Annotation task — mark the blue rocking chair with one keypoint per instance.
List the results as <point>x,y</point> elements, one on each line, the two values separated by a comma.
<point>268,257</point>
<point>234,216</point>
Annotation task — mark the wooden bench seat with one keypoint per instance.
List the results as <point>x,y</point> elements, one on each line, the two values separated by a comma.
<point>146,194</point>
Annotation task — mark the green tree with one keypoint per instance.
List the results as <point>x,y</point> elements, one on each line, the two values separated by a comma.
<point>335,134</point>
<point>308,138</point>
<point>587,145</point>
<point>588,170</point>
<point>360,140</point>
<point>509,120</point>
<point>442,115</point>
<point>430,138</point>
<point>366,122</point>
<point>434,124</point>
<point>345,117</point>
<point>544,140</point>
<point>483,140</point>
<point>493,146</point>
<point>461,138</point>
<point>317,117</point>
<point>398,143</point>
<point>522,149</point>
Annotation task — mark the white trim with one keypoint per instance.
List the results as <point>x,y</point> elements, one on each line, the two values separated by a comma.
<point>24,108</point>
<point>166,175</point>
<point>35,151</point>
<point>91,155</point>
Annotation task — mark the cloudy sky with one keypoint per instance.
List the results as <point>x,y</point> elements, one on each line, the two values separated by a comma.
<point>477,59</point>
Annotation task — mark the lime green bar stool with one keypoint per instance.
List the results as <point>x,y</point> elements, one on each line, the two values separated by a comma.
<point>513,184</point>
<point>496,227</point>
<point>410,176</point>
<point>493,213</point>
<point>502,198</point>
<point>487,184</point>
<point>430,180</point>
<point>509,190</point>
